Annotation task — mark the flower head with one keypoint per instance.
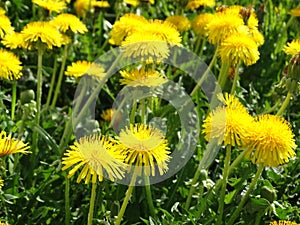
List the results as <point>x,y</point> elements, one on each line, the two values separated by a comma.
<point>2,11</point>
<point>51,5</point>
<point>295,11</point>
<point>10,66</point>
<point>127,24</point>
<point>292,48</point>
<point>222,25</point>
<point>136,2</point>
<point>228,123</point>
<point>13,40</point>
<point>41,32</point>
<point>199,24</point>
<point>80,68</point>
<point>107,115</point>
<point>98,156</point>
<point>145,146</point>
<point>239,47</point>
<point>5,26</point>
<point>271,140</point>
<point>195,4</point>
<point>142,77</point>
<point>283,222</point>
<point>67,22</point>
<point>82,6</point>
<point>1,184</point>
<point>8,145</point>
<point>180,22</point>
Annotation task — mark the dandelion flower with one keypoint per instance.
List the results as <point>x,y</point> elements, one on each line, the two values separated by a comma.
<point>222,25</point>
<point>145,146</point>
<point>136,2</point>
<point>180,22</point>
<point>107,115</point>
<point>98,156</point>
<point>127,24</point>
<point>41,32</point>
<point>195,4</point>
<point>1,183</point>
<point>13,40</point>
<point>292,48</point>
<point>51,5</point>
<point>5,26</point>
<point>239,47</point>
<point>228,123</point>
<point>10,66</point>
<point>80,68</point>
<point>295,11</point>
<point>272,141</point>
<point>67,22</point>
<point>2,11</point>
<point>283,222</point>
<point>8,145</point>
<point>199,24</point>
<point>82,6</point>
<point>142,77</point>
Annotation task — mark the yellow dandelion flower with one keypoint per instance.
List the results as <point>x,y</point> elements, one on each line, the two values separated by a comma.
<point>199,24</point>
<point>13,40</point>
<point>239,47</point>
<point>2,11</point>
<point>127,24</point>
<point>228,123</point>
<point>142,77</point>
<point>98,156</point>
<point>10,65</point>
<point>180,22</point>
<point>1,223</point>
<point>272,141</point>
<point>82,6</point>
<point>67,22</point>
<point>1,184</point>
<point>256,36</point>
<point>107,115</point>
<point>5,26</point>
<point>292,48</point>
<point>295,11</point>
<point>137,2</point>
<point>65,39</point>
<point>8,145</point>
<point>222,25</point>
<point>41,32</point>
<point>80,68</point>
<point>145,146</point>
<point>252,21</point>
<point>51,5</point>
<point>283,222</point>
<point>195,4</point>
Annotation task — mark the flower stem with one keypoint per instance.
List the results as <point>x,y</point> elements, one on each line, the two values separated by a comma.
<point>224,182</point>
<point>246,196</point>
<point>60,76</point>
<point>149,196</point>
<point>193,187</point>
<point>52,83</point>
<point>13,99</point>
<point>126,199</point>
<point>67,200</point>
<point>223,74</point>
<point>235,79</point>
<point>206,73</point>
<point>38,102</point>
<point>284,104</point>
<point>92,204</point>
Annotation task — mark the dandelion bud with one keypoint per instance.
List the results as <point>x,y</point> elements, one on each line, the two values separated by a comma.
<point>291,80</point>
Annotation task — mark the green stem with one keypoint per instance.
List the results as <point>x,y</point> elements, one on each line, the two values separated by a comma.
<point>13,99</point>
<point>92,204</point>
<point>206,73</point>
<point>52,83</point>
<point>235,79</point>
<point>133,111</point>
<point>193,188</point>
<point>202,47</point>
<point>224,183</point>
<point>67,200</point>
<point>60,76</point>
<point>126,199</point>
<point>38,102</point>
<point>149,196</point>
<point>223,74</point>
<point>198,43</point>
<point>284,104</point>
<point>246,196</point>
